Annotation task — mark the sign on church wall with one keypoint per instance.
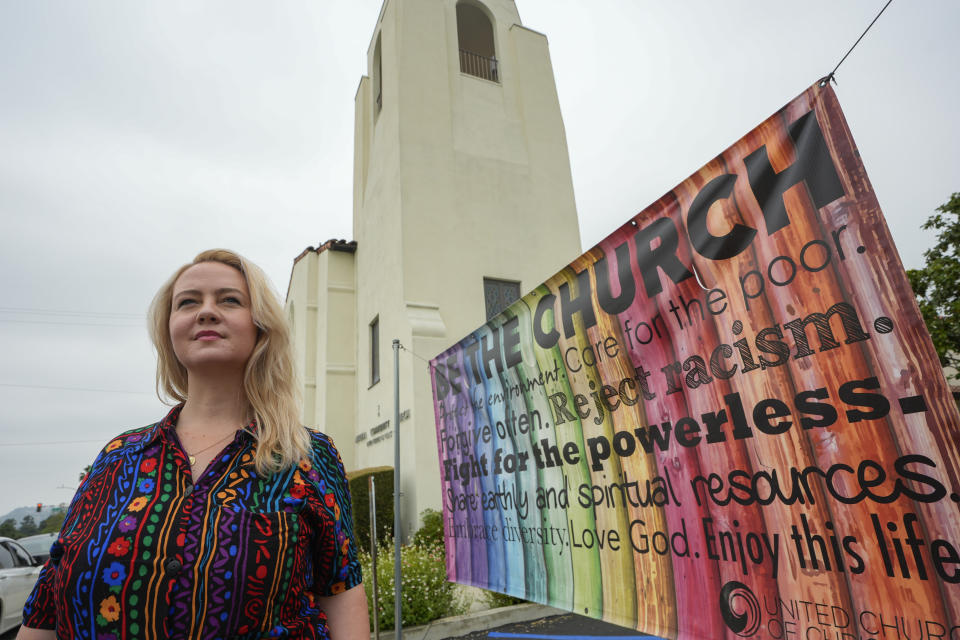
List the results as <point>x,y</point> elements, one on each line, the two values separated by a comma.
<point>725,420</point>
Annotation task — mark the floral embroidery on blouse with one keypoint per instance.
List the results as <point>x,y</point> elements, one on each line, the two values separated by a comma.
<point>145,553</point>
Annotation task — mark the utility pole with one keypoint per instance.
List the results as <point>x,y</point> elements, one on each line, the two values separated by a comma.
<point>397,576</point>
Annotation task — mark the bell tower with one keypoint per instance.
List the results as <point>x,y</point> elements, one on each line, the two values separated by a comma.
<point>463,201</point>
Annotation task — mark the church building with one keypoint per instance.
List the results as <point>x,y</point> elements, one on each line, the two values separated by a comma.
<point>462,202</point>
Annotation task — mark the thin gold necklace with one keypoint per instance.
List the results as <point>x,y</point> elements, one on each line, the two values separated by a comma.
<point>193,456</point>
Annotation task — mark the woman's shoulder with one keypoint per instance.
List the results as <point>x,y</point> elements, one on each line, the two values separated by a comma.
<point>137,436</point>
<point>322,449</point>
<point>117,450</point>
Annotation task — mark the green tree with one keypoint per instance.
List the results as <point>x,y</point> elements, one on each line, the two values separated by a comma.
<point>8,528</point>
<point>53,522</point>
<point>28,527</point>
<point>937,284</point>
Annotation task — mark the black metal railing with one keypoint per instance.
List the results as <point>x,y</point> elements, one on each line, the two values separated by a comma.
<point>480,66</point>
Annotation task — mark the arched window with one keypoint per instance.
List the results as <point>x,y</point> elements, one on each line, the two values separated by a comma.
<point>377,78</point>
<point>478,56</point>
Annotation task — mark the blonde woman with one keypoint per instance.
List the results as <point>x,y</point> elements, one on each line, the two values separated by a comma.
<point>226,519</point>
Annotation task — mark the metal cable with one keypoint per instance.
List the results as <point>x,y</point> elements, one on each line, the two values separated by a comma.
<point>827,78</point>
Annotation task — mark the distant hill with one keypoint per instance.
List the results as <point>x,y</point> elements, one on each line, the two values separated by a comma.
<point>18,513</point>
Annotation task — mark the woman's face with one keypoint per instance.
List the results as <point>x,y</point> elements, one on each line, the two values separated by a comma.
<point>211,327</point>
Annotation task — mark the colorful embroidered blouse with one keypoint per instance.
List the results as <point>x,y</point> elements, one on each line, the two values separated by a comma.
<point>145,553</point>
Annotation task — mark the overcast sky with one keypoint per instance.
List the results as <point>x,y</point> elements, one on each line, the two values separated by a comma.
<point>133,135</point>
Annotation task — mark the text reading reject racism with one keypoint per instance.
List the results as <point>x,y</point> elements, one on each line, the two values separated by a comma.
<point>657,252</point>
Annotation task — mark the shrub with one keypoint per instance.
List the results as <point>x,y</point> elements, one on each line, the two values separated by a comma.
<point>495,599</point>
<point>431,533</point>
<point>360,497</point>
<point>426,594</point>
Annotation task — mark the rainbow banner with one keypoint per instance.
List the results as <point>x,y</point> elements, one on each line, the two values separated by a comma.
<point>725,420</point>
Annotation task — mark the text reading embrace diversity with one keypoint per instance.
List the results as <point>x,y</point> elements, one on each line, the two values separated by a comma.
<point>726,419</point>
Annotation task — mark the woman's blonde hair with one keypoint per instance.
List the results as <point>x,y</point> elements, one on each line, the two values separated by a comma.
<point>269,378</point>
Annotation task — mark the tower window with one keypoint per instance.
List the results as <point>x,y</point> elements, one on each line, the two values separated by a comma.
<point>475,38</point>
<point>499,294</point>
<point>377,78</point>
<point>375,351</point>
